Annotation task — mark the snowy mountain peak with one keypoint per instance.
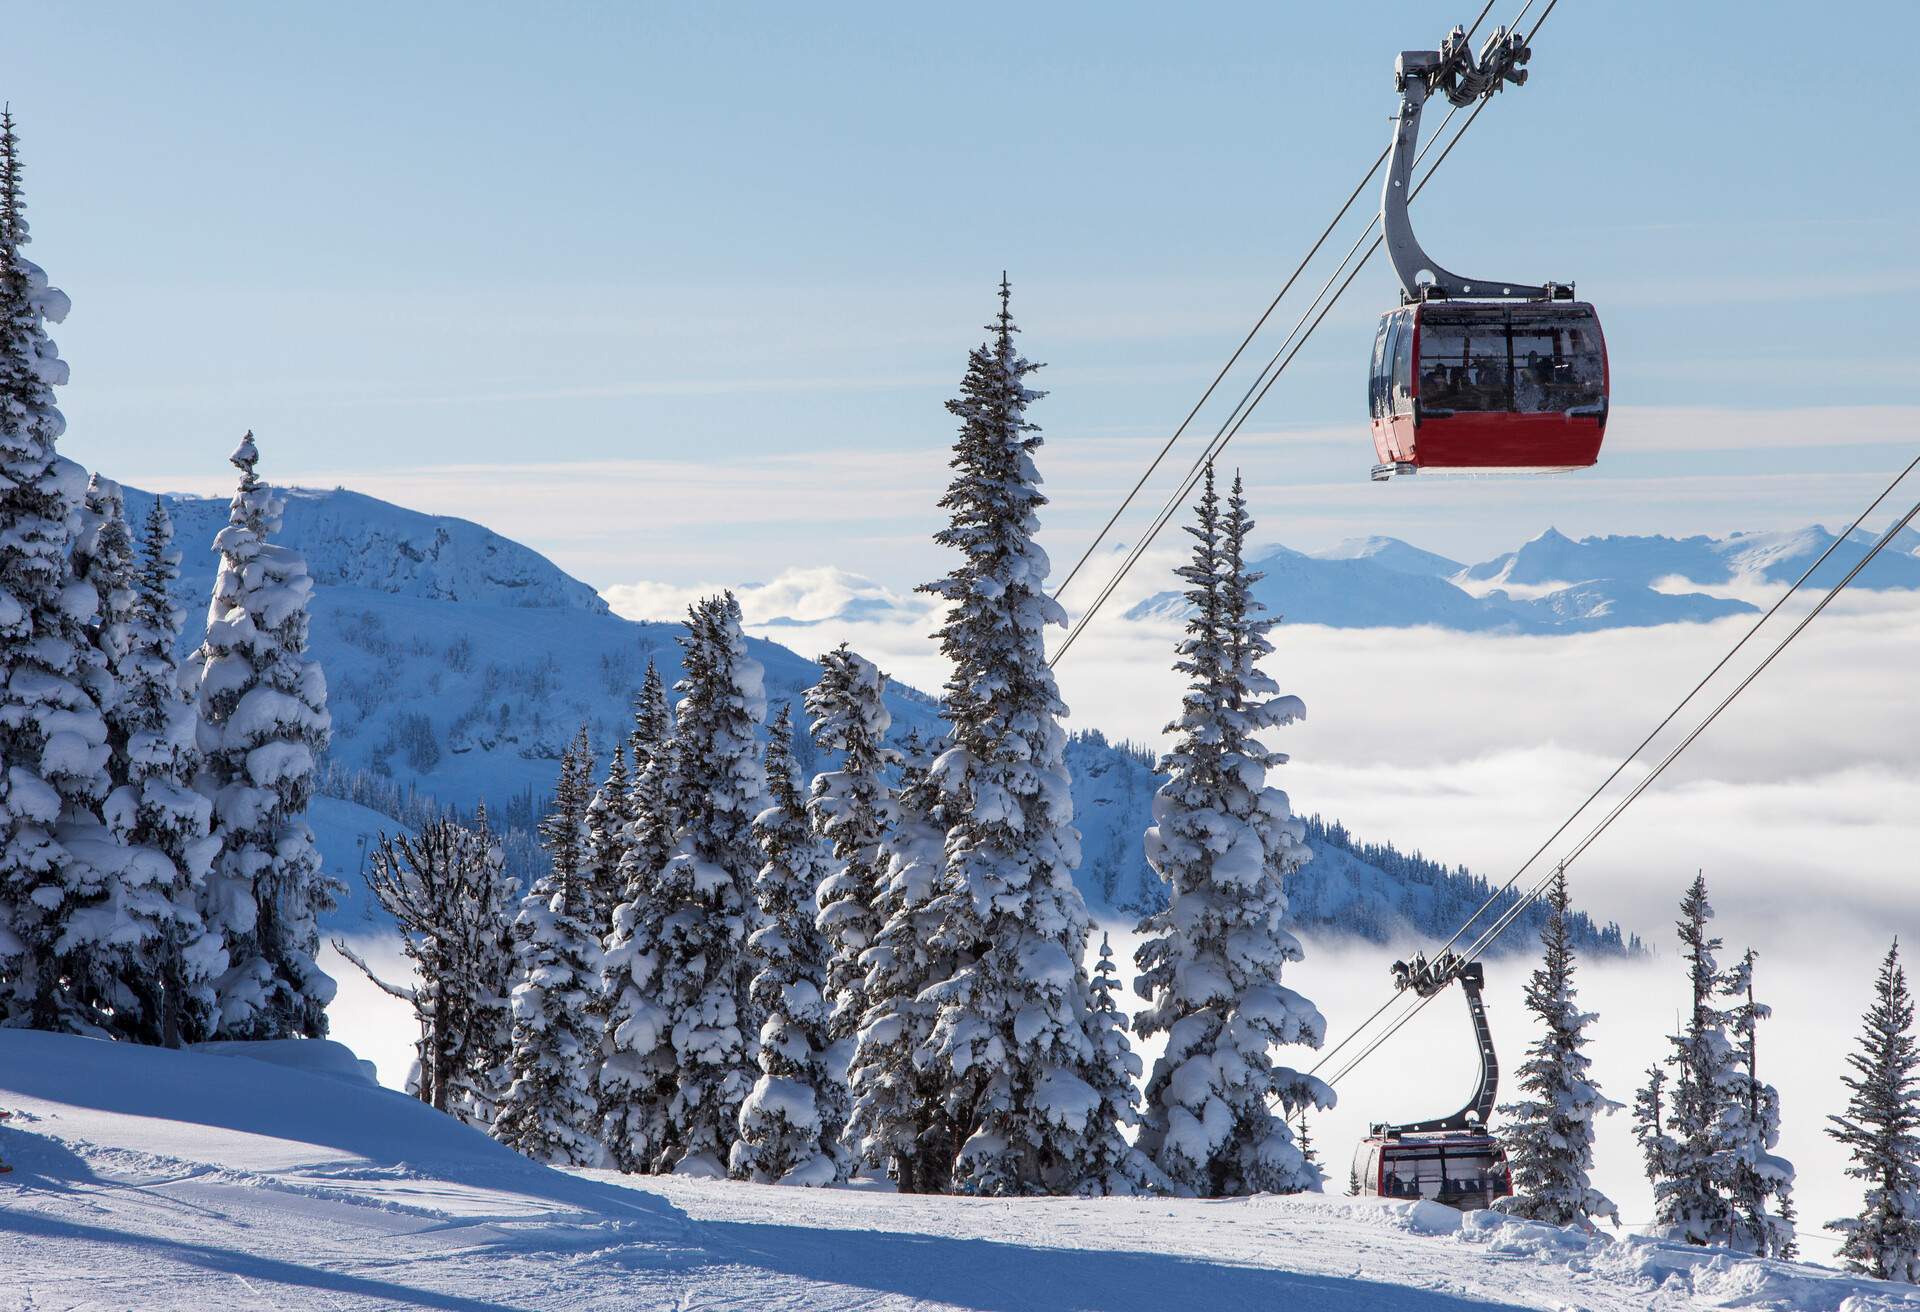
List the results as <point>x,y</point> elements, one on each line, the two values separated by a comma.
<point>1393,554</point>
<point>356,541</point>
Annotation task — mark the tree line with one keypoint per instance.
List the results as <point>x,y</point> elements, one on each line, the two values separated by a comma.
<point>157,880</point>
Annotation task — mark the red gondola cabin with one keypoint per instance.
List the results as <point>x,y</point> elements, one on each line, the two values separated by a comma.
<point>1488,385</point>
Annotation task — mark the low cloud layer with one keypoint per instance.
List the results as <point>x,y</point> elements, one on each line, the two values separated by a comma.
<point>1475,748</point>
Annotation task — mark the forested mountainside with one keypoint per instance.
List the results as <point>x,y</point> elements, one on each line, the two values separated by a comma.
<point>459,664</point>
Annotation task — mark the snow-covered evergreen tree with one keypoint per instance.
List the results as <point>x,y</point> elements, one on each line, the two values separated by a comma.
<point>1881,1132</point>
<point>1549,1130</point>
<point>652,805</point>
<point>103,559</point>
<point>1224,841</point>
<point>103,927</point>
<point>1680,1128</point>
<point>900,1122</point>
<point>52,733</point>
<point>167,971</point>
<point>1010,1036</point>
<point>1113,1165</point>
<point>548,1110</point>
<point>1758,1181</point>
<point>263,723</point>
<point>792,1119</point>
<point>635,1082</point>
<point>689,991</point>
<point>850,809</point>
<point>607,826</point>
<point>564,829</point>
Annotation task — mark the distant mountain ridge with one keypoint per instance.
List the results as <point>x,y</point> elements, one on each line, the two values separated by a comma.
<point>356,541</point>
<point>459,664</point>
<point>1762,557</point>
<point>1575,586</point>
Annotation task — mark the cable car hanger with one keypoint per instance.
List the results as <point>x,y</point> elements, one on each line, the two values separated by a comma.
<point>1455,73</point>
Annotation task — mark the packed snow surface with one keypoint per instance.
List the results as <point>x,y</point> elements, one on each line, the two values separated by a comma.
<point>276,1176</point>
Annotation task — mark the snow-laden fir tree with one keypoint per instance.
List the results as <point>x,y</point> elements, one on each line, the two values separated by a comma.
<point>548,1110</point>
<point>103,926</point>
<point>1758,1181</point>
<point>689,1009</point>
<point>1548,1133</point>
<point>564,831</point>
<point>900,1122</point>
<point>103,559</point>
<point>634,1085</point>
<point>1678,1121</point>
<point>167,969</point>
<point>1010,1038</point>
<point>1881,1132</point>
<point>263,723</point>
<point>607,826</point>
<point>52,732</point>
<point>650,805</point>
<point>1224,841</point>
<point>850,808</point>
<point>792,1119</point>
<point>635,1082</point>
<point>1113,1165</point>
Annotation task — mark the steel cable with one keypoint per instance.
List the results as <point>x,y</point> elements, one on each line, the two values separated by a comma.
<point>1277,365</point>
<point>1487,939</point>
<point>1239,350</point>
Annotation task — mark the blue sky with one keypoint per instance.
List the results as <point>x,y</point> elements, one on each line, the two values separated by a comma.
<point>675,292</point>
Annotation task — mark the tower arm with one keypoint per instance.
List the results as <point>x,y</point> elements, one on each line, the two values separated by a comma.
<point>1455,73</point>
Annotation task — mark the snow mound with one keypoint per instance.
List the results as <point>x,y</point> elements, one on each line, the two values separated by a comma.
<point>314,1056</point>
<point>1685,1276</point>
<point>277,1174</point>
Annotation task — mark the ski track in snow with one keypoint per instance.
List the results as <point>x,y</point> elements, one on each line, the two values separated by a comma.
<point>153,1179</point>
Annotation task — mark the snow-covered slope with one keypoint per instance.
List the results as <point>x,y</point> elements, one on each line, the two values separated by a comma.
<point>355,541</point>
<point>457,661</point>
<point>279,1178</point>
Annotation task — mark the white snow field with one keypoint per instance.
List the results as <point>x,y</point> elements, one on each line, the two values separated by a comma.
<point>279,1176</point>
